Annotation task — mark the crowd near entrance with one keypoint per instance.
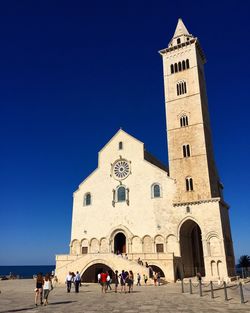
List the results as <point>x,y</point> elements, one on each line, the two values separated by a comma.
<point>90,275</point>
<point>191,249</point>
<point>120,243</point>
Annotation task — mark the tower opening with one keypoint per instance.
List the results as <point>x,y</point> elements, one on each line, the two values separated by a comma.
<point>120,243</point>
<point>90,275</point>
<point>191,249</point>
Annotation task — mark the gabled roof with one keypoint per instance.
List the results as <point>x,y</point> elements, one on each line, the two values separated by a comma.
<point>117,133</point>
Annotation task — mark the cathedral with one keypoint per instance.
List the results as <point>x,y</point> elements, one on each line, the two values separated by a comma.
<point>132,207</point>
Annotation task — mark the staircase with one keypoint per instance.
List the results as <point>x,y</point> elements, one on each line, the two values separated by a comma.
<point>83,262</point>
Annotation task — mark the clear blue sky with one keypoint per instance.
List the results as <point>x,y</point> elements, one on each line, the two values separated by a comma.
<point>73,72</point>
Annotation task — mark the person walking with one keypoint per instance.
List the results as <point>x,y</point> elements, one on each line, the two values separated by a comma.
<point>47,287</point>
<point>116,280</point>
<point>109,280</point>
<point>39,289</point>
<point>145,279</point>
<point>104,281</point>
<point>123,278</point>
<point>155,278</point>
<point>159,278</point>
<point>138,280</point>
<point>99,278</point>
<point>69,279</point>
<point>77,281</point>
<point>130,281</point>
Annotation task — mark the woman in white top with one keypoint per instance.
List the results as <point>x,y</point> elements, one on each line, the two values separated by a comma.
<point>46,288</point>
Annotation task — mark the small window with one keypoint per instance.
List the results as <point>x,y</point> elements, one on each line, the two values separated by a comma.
<point>178,41</point>
<point>156,191</point>
<point>87,199</point>
<point>84,250</point>
<point>121,194</point>
<point>189,184</point>
<point>172,68</point>
<point>183,65</point>
<point>186,151</point>
<point>184,121</point>
<point>187,63</point>
<point>120,145</point>
<point>176,68</point>
<point>159,247</point>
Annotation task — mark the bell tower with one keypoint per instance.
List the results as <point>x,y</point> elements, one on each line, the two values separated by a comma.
<point>191,159</point>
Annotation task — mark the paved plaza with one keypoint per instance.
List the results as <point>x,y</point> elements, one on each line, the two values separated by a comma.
<point>18,296</point>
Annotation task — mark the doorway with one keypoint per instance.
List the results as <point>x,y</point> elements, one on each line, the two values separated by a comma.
<point>120,243</point>
<point>191,249</point>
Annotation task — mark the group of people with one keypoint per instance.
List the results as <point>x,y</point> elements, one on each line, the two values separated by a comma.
<point>43,287</point>
<point>75,279</point>
<point>124,279</point>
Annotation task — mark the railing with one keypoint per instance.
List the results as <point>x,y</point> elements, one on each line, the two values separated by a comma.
<point>212,288</point>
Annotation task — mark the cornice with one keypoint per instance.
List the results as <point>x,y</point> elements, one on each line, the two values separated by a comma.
<point>197,202</point>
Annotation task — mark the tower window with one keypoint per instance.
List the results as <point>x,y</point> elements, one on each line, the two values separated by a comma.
<point>186,151</point>
<point>183,65</point>
<point>120,145</point>
<point>121,194</point>
<point>176,68</point>
<point>179,66</point>
<point>87,199</point>
<point>189,184</point>
<point>187,63</point>
<point>181,88</point>
<point>178,41</point>
<point>184,121</point>
<point>172,68</point>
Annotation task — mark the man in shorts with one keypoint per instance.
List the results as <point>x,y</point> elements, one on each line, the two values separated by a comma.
<point>103,281</point>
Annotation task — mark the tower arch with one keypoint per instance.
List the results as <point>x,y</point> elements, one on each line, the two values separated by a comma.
<point>191,248</point>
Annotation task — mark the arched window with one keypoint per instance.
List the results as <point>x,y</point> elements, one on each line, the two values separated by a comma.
<point>187,63</point>
<point>183,65</point>
<point>172,68</point>
<point>178,41</point>
<point>181,88</point>
<point>179,66</point>
<point>186,151</point>
<point>87,199</point>
<point>156,191</point>
<point>184,121</point>
<point>121,194</point>
<point>120,145</point>
<point>189,184</point>
<point>176,68</point>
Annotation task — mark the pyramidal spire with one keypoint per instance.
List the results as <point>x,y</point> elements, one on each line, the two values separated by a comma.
<point>180,29</point>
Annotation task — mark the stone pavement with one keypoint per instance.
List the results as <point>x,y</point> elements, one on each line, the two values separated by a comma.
<point>18,296</point>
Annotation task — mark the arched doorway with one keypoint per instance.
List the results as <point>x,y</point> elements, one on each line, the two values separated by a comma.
<point>191,249</point>
<point>90,275</point>
<point>120,243</point>
<point>157,269</point>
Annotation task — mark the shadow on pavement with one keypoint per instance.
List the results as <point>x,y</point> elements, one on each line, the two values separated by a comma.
<point>35,307</point>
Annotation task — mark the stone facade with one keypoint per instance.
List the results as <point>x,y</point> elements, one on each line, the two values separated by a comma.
<point>175,220</point>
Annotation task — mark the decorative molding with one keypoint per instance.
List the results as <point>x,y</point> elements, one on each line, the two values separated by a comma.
<point>217,199</point>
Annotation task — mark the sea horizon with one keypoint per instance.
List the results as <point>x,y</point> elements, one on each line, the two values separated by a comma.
<point>25,271</point>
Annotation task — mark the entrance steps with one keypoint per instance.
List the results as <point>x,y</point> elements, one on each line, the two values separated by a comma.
<point>81,263</point>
